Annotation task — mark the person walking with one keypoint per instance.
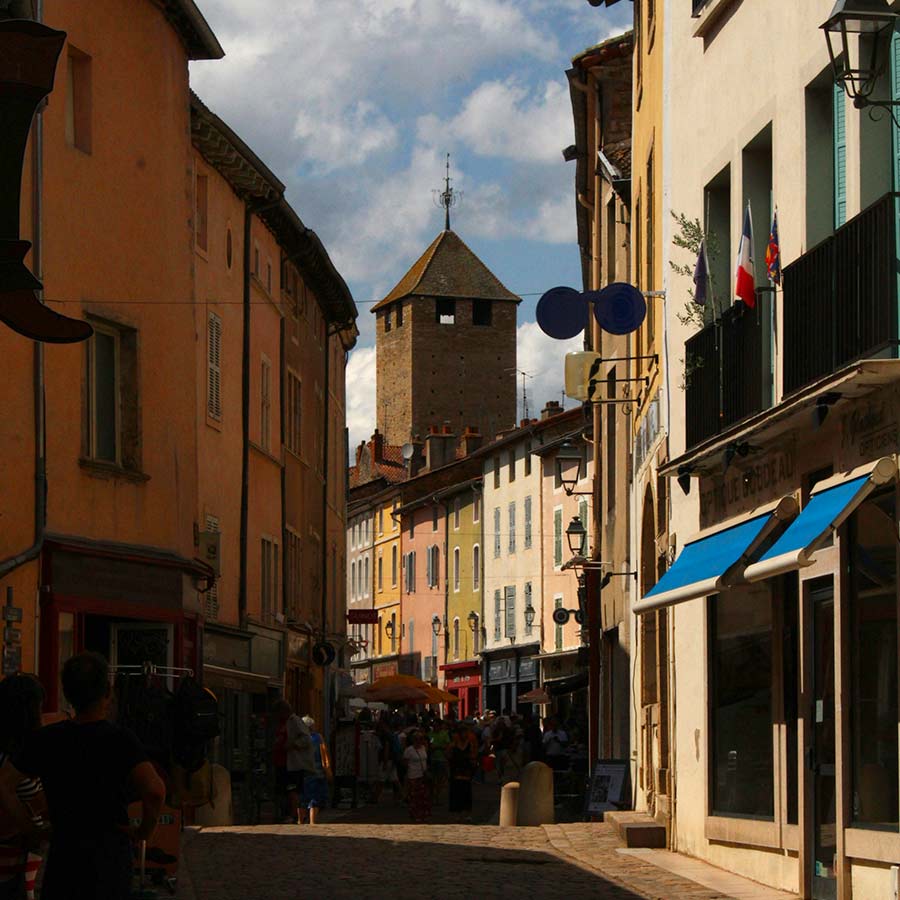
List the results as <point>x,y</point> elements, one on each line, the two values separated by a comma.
<point>315,786</point>
<point>463,760</point>
<point>293,759</point>
<point>439,741</point>
<point>21,699</point>
<point>417,778</point>
<point>90,770</point>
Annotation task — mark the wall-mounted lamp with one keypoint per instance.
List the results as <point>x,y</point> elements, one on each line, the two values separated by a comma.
<point>873,19</point>
<point>472,619</point>
<point>576,535</point>
<point>436,625</point>
<point>390,628</point>
<point>568,454</point>
<point>530,613</point>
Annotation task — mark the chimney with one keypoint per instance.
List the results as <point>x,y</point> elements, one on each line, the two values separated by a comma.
<point>552,408</point>
<point>439,446</point>
<point>415,462</point>
<point>377,446</point>
<point>470,441</point>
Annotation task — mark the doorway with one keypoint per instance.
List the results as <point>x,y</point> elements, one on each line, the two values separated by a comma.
<point>821,752</point>
<point>136,643</point>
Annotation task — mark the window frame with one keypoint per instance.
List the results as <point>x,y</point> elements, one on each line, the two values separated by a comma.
<point>116,335</point>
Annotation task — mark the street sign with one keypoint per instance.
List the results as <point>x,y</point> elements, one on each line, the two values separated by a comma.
<point>12,660</point>
<point>12,613</point>
<point>362,616</point>
<point>12,635</point>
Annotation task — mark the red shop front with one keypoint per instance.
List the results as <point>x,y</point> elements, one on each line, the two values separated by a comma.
<point>132,605</point>
<point>464,680</point>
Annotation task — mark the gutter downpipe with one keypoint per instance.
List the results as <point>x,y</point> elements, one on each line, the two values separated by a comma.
<point>40,451</point>
<point>250,209</point>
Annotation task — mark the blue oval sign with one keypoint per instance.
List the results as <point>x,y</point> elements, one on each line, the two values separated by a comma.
<point>562,313</point>
<point>620,308</point>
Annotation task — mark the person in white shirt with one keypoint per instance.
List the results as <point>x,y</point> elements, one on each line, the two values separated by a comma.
<point>416,758</point>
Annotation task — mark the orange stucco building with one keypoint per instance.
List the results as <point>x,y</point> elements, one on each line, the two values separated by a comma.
<point>179,418</point>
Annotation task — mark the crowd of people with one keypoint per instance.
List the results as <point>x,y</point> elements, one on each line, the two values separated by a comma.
<point>426,760</point>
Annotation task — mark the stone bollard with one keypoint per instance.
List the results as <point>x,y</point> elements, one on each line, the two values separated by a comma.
<point>509,804</point>
<point>536,795</point>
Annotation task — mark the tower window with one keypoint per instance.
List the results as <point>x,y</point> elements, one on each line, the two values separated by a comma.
<point>387,320</point>
<point>445,311</point>
<point>399,314</point>
<point>482,311</point>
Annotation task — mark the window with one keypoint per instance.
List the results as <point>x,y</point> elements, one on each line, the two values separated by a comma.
<point>387,319</point>
<point>112,408</point>
<point>512,527</point>
<point>393,632</point>
<point>527,523</point>
<point>476,507</point>
<point>399,315</point>
<point>649,249</point>
<point>229,248</point>
<point>742,769</point>
<point>365,589</point>
<point>269,579</point>
<point>527,459</point>
<point>456,638</point>
<point>482,312</point>
<point>496,532</point>
<point>214,367</point>
<point>874,684</point>
<point>294,573</point>
<point>583,515</point>
<point>411,634</point>
<point>717,201</point>
<point>496,472</point>
<point>433,562</point>
<point>456,504</point>
<point>78,100</point>
<point>201,221</point>
<point>409,561</point>
<point>456,568</point>
<point>445,311</point>
<point>510,611</point>
<point>558,629</point>
<point>528,628</point>
<point>394,566</point>
<point>265,404</point>
<point>380,573</point>
<point>381,521</point>
<point>353,580</point>
<point>211,597</point>
<point>294,408</point>
<point>395,519</point>
<point>412,525</point>
<point>435,512</point>
<point>610,441</point>
<point>512,466</point>
<point>497,614</point>
<point>476,567</point>
<point>379,635</point>
<point>557,536</point>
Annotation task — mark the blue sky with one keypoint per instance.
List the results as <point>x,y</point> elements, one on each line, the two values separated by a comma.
<point>354,104</point>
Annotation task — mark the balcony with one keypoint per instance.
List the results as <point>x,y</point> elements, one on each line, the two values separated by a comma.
<point>840,298</point>
<point>728,370</point>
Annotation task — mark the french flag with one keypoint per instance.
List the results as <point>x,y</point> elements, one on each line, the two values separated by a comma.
<point>745,285</point>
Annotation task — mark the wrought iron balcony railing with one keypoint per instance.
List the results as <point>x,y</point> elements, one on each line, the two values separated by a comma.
<point>840,298</point>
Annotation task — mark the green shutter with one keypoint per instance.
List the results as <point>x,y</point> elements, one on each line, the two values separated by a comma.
<point>840,157</point>
<point>895,90</point>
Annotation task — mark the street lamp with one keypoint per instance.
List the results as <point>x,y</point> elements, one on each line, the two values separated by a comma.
<point>436,625</point>
<point>529,616</point>
<point>28,55</point>
<point>473,621</point>
<point>390,628</point>
<point>576,535</point>
<point>869,18</point>
<point>567,454</point>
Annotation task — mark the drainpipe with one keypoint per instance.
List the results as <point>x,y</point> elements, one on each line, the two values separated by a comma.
<point>284,532</point>
<point>40,451</point>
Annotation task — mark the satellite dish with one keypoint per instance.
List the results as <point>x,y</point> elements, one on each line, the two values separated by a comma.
<point>407,451</point>
<point>562,313</point>
<point>619,308</point>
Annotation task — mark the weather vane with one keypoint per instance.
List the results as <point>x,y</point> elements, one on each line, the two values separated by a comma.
<point>447,197</point>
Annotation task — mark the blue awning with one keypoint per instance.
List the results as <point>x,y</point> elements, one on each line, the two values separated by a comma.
<point>711,563</point>
<point>826,510</point>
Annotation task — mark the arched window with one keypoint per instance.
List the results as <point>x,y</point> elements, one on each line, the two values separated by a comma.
<point>394,566</point>
<point>456,638</point>
<point>353,579</point>
<point>456,568</point>
<point>364,587</point>
<point>476,567</point>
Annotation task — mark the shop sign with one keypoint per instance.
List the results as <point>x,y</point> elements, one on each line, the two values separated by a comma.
<point>747,485</point>
<point>362,616</point>
<point>869,429</point>
<point>12,613</point>
<point>12,660</point>
<point>499,670</point>
<point>527,669</point>
<point>383,670</point>
<point>12,635</point>
<point>226,650</point>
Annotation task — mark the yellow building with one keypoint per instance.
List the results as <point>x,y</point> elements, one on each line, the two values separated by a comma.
<point>388,635</point>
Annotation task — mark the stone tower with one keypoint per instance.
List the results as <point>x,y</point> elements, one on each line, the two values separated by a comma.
<point>445,340</point>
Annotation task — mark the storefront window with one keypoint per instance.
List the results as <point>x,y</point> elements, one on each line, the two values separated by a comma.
<point>873,565</point>
<point>740,634</point>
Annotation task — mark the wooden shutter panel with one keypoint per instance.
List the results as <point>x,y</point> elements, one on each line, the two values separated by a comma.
<point>214,367</point>
<point>840,157</point>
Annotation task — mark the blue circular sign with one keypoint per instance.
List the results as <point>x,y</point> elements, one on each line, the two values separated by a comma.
<point>562,313</point>
<point>620,308</point>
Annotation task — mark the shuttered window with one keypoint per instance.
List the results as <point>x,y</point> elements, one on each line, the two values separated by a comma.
<point>511,611</point>
<point>583,515</point>
<point>840,157</point>
<point>496,532</point>
<point>497,614</point>
<point>214,367</point>
<point>895,89</point>
<point>528,628</point>
<point>557,536</point>
<point>211,597</point>
<point>527,523</point>
<point>512,527</point>
<point>294,394</point>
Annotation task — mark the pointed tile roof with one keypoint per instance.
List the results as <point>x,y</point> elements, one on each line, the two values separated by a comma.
<point>448,268</point>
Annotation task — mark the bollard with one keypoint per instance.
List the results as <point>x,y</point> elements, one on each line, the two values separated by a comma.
<point>509,804</point>
<point>536,795</point>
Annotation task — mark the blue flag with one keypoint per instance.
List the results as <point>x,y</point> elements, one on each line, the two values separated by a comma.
<point>701,275</point>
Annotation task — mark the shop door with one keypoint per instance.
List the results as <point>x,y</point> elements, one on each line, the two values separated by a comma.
<point>136,643</point>
<point>821,754</point>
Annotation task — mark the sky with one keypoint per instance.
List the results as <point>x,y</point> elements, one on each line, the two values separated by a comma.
<point>354,105</point>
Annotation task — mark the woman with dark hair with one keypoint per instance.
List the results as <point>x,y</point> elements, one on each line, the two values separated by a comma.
<point>21,699</point>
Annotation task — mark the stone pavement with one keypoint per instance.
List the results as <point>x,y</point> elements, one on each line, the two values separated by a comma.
<point>289,862</point>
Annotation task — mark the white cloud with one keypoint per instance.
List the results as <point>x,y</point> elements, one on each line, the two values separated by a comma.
<point>360,395</point>
<point>544,358</point>
<point>333,142</point>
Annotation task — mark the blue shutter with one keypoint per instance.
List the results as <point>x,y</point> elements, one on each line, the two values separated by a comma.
<point>840,157</point>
